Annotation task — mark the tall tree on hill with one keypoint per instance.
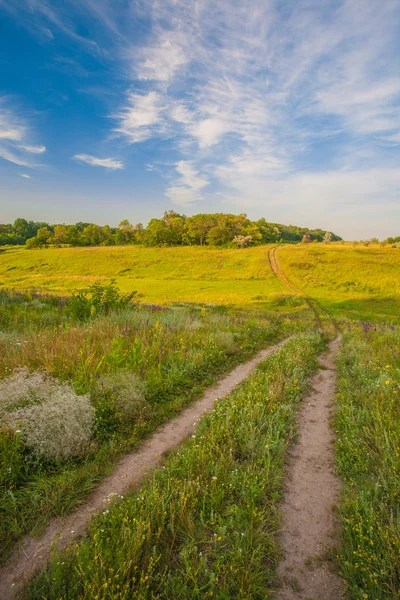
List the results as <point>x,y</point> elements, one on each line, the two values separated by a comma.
<point>198,226</point>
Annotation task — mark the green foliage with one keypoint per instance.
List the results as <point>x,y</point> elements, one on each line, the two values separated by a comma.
<point>98,299</point>
<point>368,457</point>
<point>172,229</point>
<point>124,354</point>
<point>138,367</point>
<point>204,525</point>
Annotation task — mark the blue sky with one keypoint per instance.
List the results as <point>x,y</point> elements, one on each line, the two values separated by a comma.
<point>278,108</point>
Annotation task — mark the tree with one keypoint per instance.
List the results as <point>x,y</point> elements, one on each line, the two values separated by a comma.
<point>328,237</point>
<point>126,233</point>
<point>198,226</point>
<point>219,235</point>
<point>43,235</point>
<point>59,235</point>
<point>92,235</point>
<point>33,242</point>
<point>72,235</point>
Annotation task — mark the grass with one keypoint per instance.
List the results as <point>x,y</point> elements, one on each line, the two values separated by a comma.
<point>368,458</point>
<point>205,524</point>
<point>351,282</point>
<point>175,352</point>
<point>182,535</point>
<point>160,275</point>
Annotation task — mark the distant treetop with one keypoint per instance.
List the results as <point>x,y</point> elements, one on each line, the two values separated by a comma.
<point>173,229</point>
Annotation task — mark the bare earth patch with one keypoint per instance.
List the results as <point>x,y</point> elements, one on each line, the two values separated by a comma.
<point>32,553</point>
<point>309,531</point>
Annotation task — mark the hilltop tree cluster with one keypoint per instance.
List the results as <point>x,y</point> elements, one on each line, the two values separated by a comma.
<point>173,229</point>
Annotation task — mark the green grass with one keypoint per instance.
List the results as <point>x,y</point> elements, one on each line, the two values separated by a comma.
<point>205,524</point>
<point>368,457</point>
<point>160,275</point>
<point>178,351</point>
<point>351,282</point>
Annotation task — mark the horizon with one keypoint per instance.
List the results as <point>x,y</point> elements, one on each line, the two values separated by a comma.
<point>287,112</point>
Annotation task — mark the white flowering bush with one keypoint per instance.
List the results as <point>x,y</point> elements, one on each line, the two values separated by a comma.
<point>53,421</point>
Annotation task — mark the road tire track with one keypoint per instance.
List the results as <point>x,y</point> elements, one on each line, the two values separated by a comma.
<point>31,554</point>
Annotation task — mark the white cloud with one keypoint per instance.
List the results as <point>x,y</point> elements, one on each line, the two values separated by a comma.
<point>181,196</point>
<point>14,137</point>
<point>33,149</point>
<point>208,132</point>
<point>141,117</point>
<point>354,203</point>
<point>189,176</point>
<point>187,188</point>
<point>254,92</point>
<point>10,134</point>
<point>108,163</point>
<point>25,175</point>
<point>253,102</point>
<point>161,62</point>
<point>14,158</point>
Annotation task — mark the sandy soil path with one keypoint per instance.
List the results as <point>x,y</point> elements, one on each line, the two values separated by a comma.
<point>311,494</point>
<point>32,553</point>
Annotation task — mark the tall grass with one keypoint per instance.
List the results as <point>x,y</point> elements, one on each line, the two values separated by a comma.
<point>139,368</point>
<point>205,525</point>
<point>368,455</point>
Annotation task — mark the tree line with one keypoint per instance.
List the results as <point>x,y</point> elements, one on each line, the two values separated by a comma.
<point>173,229</point>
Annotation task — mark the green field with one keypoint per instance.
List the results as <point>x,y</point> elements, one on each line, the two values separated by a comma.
<point>198,523</point>
<point>350,282</point>
<point>160,275</point>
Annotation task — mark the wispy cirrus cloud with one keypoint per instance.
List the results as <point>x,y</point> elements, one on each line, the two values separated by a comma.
<point>188,186</point>
<point>107,163</point>
<point>33,149</point>
<point>249,99</point>
<point>24,175</point>
<point>249,95</point>
<point>14,135</point>
<point>141,117</point>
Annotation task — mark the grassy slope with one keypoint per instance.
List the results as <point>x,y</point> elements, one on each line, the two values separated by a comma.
<point>350,282</point>
<point>187,273</point>
<point>205,525</point>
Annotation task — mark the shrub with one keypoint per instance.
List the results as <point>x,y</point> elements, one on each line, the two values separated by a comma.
<point>242,241</point>
<point>54,423</point>
<point>126,391</point>
<point>23,388</point>
<point>98,299</point>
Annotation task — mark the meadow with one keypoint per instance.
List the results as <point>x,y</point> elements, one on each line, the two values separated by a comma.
<point>205,523</point>
<point>350,282</point>
<point>76,395</point>
<point>368,458</point>
<point>160,275</point>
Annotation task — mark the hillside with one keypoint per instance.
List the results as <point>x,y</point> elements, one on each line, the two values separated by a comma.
<point>355,282</point>
<point>160,275</point>
<point>342,277</point>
